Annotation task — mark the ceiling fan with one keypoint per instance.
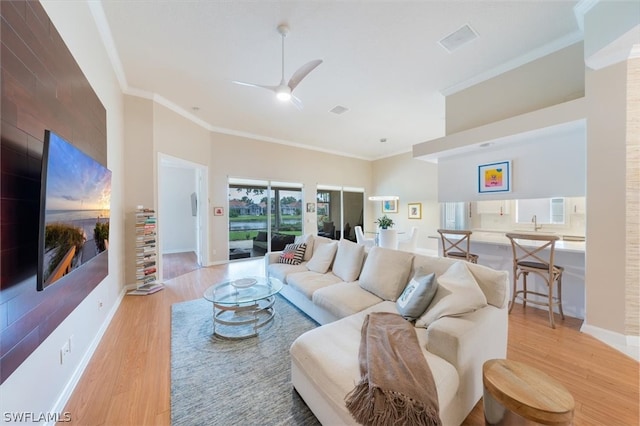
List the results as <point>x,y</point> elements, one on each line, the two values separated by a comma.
<point>284,90</point>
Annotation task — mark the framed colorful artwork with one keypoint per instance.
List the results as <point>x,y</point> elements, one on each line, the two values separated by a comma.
<point>218,211</point>
<point>311,207</point>
<point>494,177</point>
<point>390,206</point>
<point>415,210</point>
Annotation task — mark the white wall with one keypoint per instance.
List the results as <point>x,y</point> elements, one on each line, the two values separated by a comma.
<point>178,223</point>
<point>549,166</point>
<point>234,156</point>
<point>517,91</point>
<point>414,181</point>
<point>606,198</point>
<point>41,384</point>
<point>153,128</point>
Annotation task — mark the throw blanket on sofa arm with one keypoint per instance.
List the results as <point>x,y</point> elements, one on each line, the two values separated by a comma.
<point>396,385</point>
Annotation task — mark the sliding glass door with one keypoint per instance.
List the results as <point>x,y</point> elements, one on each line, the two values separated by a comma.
<point>339,210</point>
<point>263,216</point>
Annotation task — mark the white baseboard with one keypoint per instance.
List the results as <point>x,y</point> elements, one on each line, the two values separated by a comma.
<point>628,345</point>
<point>82,365</point>
<point>182,250</point>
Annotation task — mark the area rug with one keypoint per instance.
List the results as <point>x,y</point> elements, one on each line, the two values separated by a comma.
<point>217,381</point>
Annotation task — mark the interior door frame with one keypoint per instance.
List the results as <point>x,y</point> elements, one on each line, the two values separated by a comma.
<point>201,186</point>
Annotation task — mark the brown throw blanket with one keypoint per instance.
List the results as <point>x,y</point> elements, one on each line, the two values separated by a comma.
<point>396,386</point>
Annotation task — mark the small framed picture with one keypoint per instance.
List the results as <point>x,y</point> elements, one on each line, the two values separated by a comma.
<point>415,210</point>
<point>390,206</point>
<point>218,211</point>
<point>494,177</point>
<point>311,207</point>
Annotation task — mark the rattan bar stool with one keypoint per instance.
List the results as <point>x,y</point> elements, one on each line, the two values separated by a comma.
<point>452,244</point>
<point>534,253</point>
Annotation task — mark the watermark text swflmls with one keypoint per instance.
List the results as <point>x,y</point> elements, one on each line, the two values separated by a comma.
<point>31,417</point>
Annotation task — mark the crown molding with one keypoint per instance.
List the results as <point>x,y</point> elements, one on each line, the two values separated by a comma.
<point>95,7</point>
<point>581,9</point>
<point>622,49</point>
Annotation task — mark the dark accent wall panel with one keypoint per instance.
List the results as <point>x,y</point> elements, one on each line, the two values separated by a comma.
<point>42,88</point>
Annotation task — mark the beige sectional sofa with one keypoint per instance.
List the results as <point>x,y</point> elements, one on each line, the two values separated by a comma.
<point>338,284</point>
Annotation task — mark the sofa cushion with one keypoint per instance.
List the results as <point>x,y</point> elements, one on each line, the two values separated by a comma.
<point>417,295</point>
<point>348,261</point>
<point>322,258</point>
<point>292,254</point>
<point>386,272</point>
<point>308,282</point>
<point>494,284</point>
<point>282,270</point>
<point>458,293</point>
<point>308,240</point>
<point>343,299</point>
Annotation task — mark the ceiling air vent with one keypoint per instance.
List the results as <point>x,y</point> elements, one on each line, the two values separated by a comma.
<point>458,38</point>
<point>338,109</point>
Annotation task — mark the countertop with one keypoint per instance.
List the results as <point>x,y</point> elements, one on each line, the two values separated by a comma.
<point>499,238</point>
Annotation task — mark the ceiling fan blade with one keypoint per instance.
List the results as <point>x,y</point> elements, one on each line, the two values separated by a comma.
<point>302,72</point>
<point>242,83</point>
<point>296,102</point>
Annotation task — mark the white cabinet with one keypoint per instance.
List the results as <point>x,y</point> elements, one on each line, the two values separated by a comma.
<point>500,207</point>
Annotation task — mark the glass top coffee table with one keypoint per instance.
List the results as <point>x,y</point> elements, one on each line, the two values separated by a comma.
<point>242,306</point>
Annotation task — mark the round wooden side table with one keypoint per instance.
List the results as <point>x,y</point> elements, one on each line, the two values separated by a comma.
<point>517,394</point>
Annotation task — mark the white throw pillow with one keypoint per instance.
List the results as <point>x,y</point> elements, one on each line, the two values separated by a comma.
<point>386,272</point>
<point>348,262</point>
<point>322,258</point>
<point>308,240</point>
<point>458,293</point>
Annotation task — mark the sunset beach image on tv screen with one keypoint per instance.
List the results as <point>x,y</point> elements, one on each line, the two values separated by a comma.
<point>75,214</point>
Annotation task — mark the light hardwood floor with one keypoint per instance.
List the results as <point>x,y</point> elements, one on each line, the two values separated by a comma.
<point>128,380</point>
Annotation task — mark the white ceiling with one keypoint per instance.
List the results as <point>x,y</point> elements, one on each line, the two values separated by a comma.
<point>381,59</point>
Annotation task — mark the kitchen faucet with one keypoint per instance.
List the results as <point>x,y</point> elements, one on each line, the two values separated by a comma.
<point>534,220</point>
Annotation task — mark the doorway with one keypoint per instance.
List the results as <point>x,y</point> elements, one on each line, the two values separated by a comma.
<point>182,215</point>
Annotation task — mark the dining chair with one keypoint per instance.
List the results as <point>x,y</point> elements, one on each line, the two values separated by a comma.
<point>409,243</point>
<point>360,238</point>
<point>456,244</point>
<point>534,254</point>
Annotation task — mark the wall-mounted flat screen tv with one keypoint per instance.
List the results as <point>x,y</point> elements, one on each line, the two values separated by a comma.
<point>74,210</point>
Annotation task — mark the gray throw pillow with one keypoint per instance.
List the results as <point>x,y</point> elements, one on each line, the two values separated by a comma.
<point>417,295</point>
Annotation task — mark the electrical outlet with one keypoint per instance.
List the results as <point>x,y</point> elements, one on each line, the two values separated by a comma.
<point>64,351</point>
<point>100,304</point>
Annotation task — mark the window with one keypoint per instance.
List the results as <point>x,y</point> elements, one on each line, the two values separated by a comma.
<point>454,215</point>
<point>545,210</point>
<point>257,211</point>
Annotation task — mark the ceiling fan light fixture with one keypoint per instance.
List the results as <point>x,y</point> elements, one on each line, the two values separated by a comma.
<point>283,96</point>
<point>283,93</point>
